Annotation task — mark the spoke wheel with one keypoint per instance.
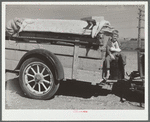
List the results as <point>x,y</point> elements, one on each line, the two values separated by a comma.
<point>37,79</point>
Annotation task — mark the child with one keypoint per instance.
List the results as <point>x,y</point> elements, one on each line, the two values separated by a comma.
<point>112,49</point>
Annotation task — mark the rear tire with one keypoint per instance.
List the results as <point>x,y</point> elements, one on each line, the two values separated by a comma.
<point>37,79</point>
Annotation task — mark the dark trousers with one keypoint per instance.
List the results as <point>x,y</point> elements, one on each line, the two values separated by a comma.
<point>108,59</point>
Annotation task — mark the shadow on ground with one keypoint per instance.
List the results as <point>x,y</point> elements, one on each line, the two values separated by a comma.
<point>121,89</point>
<point>13,86</point>
<point>86,90</point>
<point>83,90</point>
<point>67,88</point>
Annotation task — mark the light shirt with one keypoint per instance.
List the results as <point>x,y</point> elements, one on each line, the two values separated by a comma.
<point>115,47</point>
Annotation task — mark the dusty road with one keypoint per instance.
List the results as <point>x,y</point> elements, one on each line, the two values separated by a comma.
<point>76,95</point>
<point>71,95</point>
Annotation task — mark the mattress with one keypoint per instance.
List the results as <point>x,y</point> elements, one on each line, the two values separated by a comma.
<point>79,27</point>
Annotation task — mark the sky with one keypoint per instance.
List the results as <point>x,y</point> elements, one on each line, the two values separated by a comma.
<point>121,17</point>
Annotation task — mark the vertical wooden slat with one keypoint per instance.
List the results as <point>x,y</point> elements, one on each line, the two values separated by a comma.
<point>75,60</point>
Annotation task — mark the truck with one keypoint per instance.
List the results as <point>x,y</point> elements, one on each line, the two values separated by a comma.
<point>43,53</point>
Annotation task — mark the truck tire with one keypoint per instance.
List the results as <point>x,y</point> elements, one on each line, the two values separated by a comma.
<point>37,79</point>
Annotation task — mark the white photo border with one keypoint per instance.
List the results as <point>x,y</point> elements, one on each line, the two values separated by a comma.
<point>52,115</point>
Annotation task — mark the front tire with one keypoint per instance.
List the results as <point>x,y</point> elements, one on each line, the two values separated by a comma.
<point>37,79</point>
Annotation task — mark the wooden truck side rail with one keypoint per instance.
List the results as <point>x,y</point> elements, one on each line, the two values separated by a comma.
<point>77,65</point>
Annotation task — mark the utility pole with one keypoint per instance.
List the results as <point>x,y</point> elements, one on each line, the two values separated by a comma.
<point>139,40</point>
<point>139,29</point>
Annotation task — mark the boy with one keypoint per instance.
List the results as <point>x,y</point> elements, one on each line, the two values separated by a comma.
<point>112,49</point>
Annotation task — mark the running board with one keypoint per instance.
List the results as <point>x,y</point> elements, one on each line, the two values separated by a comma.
<point>12,71</point>
<point>111,81</point>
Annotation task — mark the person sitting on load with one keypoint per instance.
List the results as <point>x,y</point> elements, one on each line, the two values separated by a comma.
<point>112,50</point>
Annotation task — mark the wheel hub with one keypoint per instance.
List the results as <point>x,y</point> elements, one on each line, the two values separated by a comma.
<point>38,78</point>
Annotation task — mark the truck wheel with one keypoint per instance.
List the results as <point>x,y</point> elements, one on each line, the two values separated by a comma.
<point>37,79</point>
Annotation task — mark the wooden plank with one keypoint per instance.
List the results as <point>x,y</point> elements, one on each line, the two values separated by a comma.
<point>10,64</point>
<point>65,50</point>
<point>91,53</point>
<point>58,49</point>
<point>9,54</point>
<point>90,64</point>
<point>75,61</point>
<point>14,54</point>
<point>112,81</point>
<point>65,61</point>
<point>68,73</point>
<point>19,55</point>
<point>28,46</point>
<point>89,76</point>
<point>99,53</point>
<point>11,44</point>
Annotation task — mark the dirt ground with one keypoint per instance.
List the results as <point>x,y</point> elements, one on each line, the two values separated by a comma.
<point>77,95</point>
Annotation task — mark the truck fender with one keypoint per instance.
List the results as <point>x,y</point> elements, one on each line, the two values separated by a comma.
<point>46,56</point>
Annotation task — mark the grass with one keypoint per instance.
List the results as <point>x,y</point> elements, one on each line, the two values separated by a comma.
<point>130,45</point>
